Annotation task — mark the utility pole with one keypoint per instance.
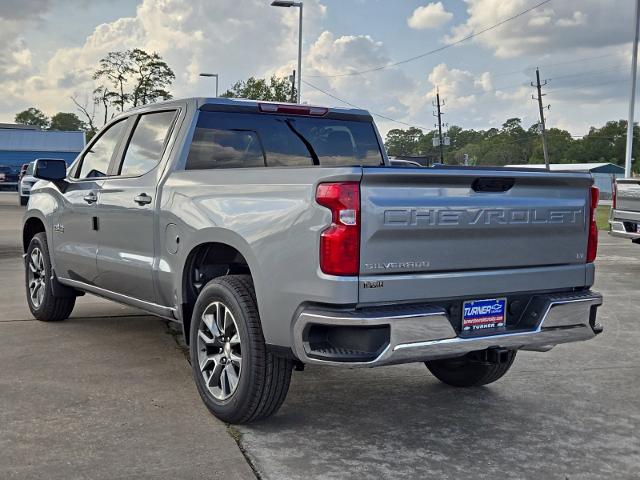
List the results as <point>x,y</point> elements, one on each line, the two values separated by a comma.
<point>292,79</point>
<point>632,100</point>
<point>439,114</point>
<point>543,128</point>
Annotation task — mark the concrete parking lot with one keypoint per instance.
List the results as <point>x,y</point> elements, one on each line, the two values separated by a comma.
<point>108,394</point>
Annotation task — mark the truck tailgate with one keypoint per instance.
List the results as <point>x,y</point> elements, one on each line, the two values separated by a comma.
<point>628,195</point>
<point>469,219</point>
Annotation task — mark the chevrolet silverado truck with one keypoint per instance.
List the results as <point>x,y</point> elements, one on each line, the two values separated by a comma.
<point>624,218</point>
<point>280,235</point>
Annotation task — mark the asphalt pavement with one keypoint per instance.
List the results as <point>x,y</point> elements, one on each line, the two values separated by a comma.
<point>108,394</point>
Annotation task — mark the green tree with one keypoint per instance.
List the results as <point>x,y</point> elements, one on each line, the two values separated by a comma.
<point>560,145</point>
<point>513,144</point>
<point>152,77</point>
<point>115,69</point>
<point>131,78</point>
<point>276,90</point>
<point>66,121</point>
<point>32,116</point>
<point>403,142</point>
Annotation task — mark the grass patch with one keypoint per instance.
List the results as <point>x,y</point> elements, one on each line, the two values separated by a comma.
<point>602,217</point>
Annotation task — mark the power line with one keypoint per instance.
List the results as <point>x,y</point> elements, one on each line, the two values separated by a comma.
<point>400,122</point>
<point>436,50</point>
<point>568,62</point>
<point>602,71</point>
<point>612,68</point>
<point>611,82</point>
<point>523,71</point>
<point>418,126</point>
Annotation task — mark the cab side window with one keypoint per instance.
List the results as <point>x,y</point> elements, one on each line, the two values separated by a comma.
<point>147,143</point>
<point>95,162</point>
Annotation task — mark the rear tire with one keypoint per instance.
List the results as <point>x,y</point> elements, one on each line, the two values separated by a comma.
<point>467,371</point>
<point>238,379</point>
<point>42,303</point>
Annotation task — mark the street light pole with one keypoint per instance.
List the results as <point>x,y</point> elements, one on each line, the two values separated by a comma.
<point>288,4</point>
<point>632,99</point>
<point>212,75</point>
<point>300,54</point>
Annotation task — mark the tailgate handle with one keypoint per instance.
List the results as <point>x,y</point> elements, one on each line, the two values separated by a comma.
<point>492,184</point>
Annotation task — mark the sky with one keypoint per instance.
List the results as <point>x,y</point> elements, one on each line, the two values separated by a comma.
<point>582,47</point>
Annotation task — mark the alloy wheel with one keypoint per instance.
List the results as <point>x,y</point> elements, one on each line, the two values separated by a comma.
<point>219,351</point>
<point>37,277</point>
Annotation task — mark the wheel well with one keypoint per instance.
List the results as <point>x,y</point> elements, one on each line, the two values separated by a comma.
<point>30,229</point>
<point>204,263</point>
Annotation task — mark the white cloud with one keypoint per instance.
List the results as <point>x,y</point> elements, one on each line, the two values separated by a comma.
<point>431,15</point>
<point>595,24</point>
<point>190,35</point>
<point>577,19</point>
<point>382,91</point>
<point>459,88</point>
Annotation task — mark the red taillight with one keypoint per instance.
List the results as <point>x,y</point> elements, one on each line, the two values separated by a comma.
<point>592,245</point>
<point>292,109</point>
<point>340,243</point>
<point>614,195</point>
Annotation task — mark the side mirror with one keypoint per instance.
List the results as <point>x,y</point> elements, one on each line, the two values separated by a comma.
<point>52,169</point>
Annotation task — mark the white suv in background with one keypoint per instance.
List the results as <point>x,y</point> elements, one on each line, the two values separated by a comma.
<point>26,182</point>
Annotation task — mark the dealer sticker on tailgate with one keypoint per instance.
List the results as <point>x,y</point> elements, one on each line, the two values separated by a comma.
<point>483,314</point>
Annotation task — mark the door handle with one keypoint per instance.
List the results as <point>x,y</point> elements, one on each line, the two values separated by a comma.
<point>142,199</point>
<point>91,197</point>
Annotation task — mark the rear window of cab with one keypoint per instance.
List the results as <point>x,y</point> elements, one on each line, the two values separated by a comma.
<point>242,140</point>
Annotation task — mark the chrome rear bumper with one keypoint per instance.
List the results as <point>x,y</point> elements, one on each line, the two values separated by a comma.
<point>618,230</point>
<point>419,333</point>
<point>617,220</point>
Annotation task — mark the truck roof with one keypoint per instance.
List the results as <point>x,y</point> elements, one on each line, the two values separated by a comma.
<point>199,102</point>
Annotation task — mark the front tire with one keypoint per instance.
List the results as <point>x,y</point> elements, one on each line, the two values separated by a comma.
<point>469,371</point>
<point>42,303</point>
<point>238,379</point>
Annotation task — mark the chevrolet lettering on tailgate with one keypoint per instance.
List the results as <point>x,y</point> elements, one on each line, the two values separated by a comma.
<point>481,216</point>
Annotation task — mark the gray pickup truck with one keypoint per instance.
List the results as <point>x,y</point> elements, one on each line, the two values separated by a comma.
<point>624,219</point>
<point>280,235</point>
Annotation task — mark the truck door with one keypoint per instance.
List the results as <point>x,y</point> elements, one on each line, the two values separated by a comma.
<point>126,205</point>
<point>75,234</point>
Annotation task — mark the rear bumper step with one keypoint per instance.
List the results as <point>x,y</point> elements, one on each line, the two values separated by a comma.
<point>403,334</point>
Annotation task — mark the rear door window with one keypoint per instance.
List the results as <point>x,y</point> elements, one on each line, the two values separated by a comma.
<point>147,143</point>
<point>236,140</point>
